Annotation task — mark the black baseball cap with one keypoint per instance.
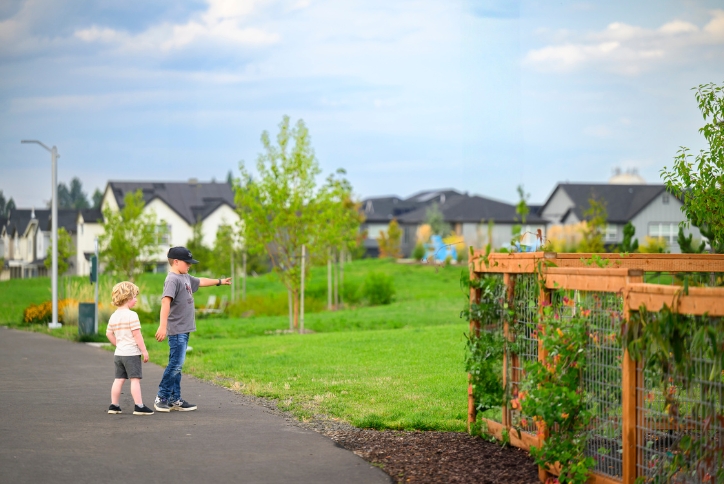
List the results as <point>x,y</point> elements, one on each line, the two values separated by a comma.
<point>181,253</point>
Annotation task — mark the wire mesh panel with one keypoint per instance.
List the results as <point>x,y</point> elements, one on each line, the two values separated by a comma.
<point>680,422</point>
<point>496,300</point>
<point>525,305</point>
<point>602,380</point>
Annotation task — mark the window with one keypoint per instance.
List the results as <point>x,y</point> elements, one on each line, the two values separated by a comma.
<point>611,233</point>
<point>667,231</point>
<point>665,199</point>
<point>163,234</point>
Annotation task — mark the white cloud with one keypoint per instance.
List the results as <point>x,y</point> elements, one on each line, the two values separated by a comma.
<point>629,49</point>
<point>224,21</point>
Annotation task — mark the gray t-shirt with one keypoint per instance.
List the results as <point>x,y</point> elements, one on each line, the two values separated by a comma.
<point>182,316</point>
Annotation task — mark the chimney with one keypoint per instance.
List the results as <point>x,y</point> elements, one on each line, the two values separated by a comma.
<point>193,181</point>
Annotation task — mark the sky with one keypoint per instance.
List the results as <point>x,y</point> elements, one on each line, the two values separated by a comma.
<point>479,96</point>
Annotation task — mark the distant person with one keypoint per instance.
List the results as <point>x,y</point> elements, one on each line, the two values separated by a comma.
<point>124,332</point>
<point>178,320</point>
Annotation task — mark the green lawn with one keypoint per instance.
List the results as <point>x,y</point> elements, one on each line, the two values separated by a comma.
<point>397,366</point>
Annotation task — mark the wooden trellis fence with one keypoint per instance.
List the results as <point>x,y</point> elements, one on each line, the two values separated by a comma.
<point>616,384</point>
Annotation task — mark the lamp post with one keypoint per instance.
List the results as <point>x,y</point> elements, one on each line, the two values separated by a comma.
<point>54,228</point>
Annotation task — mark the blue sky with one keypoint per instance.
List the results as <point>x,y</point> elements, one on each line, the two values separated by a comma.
<point>476,95</point>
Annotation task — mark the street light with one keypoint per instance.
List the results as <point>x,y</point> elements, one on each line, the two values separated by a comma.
<point>54,228</point>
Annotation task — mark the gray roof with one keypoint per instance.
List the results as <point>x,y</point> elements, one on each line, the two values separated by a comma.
<point>92,215</point>
<point>472,209</point>
<point>623,202</point>
<point>20,219</point>
<point>193,201</point>
<point>384,209</point>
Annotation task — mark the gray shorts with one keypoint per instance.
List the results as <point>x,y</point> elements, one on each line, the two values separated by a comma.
<point>128,366</point>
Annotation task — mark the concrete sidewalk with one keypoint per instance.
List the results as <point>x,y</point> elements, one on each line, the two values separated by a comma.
<point>54,395</point>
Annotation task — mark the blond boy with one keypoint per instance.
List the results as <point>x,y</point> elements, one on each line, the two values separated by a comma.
<point>124,332</point>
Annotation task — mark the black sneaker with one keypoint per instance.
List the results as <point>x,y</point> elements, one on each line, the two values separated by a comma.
<point>161,405</point>
<point>114,409</point>
<point>182,405</point>
<point>142,410</point>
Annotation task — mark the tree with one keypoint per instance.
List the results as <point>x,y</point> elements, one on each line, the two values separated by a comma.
<point>65,251</point>
<point>686,243</point>
<point>435,219</point>
<point>389,243</point>
<point>97,198</point>
<point>522,210</point>
<point>699,181</point>
<point>225,245</point>
<point>200,252</point>
<point>73,197</point>
<point>130,237</point>
<point>282,209</point>
<point>629,244</point>
<point>596,217</point>
<point>6,206</point>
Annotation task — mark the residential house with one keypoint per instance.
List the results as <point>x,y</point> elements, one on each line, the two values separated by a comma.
<point>25,237</point>
<point>178,206</point>
<point>652,210</point>
<point>473,217</point>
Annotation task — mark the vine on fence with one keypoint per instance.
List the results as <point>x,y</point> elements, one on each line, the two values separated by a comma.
<point>685,351</point>
<point>553,395</point>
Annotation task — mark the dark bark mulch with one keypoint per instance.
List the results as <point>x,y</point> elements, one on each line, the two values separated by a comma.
<point>438,457</point>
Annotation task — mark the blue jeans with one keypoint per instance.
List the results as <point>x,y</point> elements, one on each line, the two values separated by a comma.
<point>170,387</point>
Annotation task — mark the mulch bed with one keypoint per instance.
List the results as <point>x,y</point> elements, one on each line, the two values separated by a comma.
<point>438,457</point>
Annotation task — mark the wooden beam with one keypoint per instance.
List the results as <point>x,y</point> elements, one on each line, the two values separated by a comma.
<point>629,396</point>
<point>601,479</point>
<point>474,330</point>
<point>699,301</point>
<point>589,279</point>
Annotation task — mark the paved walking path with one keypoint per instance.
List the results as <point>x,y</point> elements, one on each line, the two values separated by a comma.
<point>54,395</point>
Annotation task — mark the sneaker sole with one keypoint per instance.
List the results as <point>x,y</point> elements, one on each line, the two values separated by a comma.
<point>142,413</point>
<point>115,411</point>
<point>179,409</point>
<point>165,410</point>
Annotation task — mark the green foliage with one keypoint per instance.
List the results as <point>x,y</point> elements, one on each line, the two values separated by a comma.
<point>552,395</point>
<point>435,219</point>
<point>73,197</point>
<point>698,181</point>
<point>129,238</point>
<point>97,198</point>
<point>378,289</point>
<point>226,245</point>
<point>200,252</point>
<point>629,244</point>
<point>653,245</point>
<point>418,253</point>
<point>389,242</point>
<point>686,245</point>
<point>485,348</point>
<point>283,209</point>
<point>596,217</point>
<point>6,206</point>
<point>686,351</point>
<point>65,251</point>
<point>522,210</point>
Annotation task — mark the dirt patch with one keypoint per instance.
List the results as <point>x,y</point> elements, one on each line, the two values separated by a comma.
<point>439,457</point>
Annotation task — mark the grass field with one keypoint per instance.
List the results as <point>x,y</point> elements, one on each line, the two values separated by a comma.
<point>396,366</point>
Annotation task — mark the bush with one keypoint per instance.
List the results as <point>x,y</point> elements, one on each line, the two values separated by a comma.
<point>377,289</point>
<point>43,312</point>
<point>418,253</point>
<point>652,245</point>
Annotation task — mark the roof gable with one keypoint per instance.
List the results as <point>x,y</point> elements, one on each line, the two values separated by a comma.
<point>193,201</point>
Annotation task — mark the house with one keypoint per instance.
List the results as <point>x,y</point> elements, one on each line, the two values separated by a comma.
<point>468,216</point>
<point>178,206</point>
<point>652,210</point>
<point>24,240</point>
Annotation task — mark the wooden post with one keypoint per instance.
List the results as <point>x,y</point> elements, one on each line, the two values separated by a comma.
<point>474,331</point>
<point>544,297</point>
<point>629,398</point>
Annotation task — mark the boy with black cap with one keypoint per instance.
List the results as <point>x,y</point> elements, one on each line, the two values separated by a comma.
<point>178,320</point>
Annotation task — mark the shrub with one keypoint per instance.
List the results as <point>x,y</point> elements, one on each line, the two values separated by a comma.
<point>653,245</point>
<point>418,253</point>
<point>378,289</point>
<point>43,312</point>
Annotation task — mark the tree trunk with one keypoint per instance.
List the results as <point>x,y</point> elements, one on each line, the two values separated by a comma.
<point>289,302</point>
<point>341,278</point>
<point>329,280</point>
<point>336,281</point>
<point>295,305</point>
